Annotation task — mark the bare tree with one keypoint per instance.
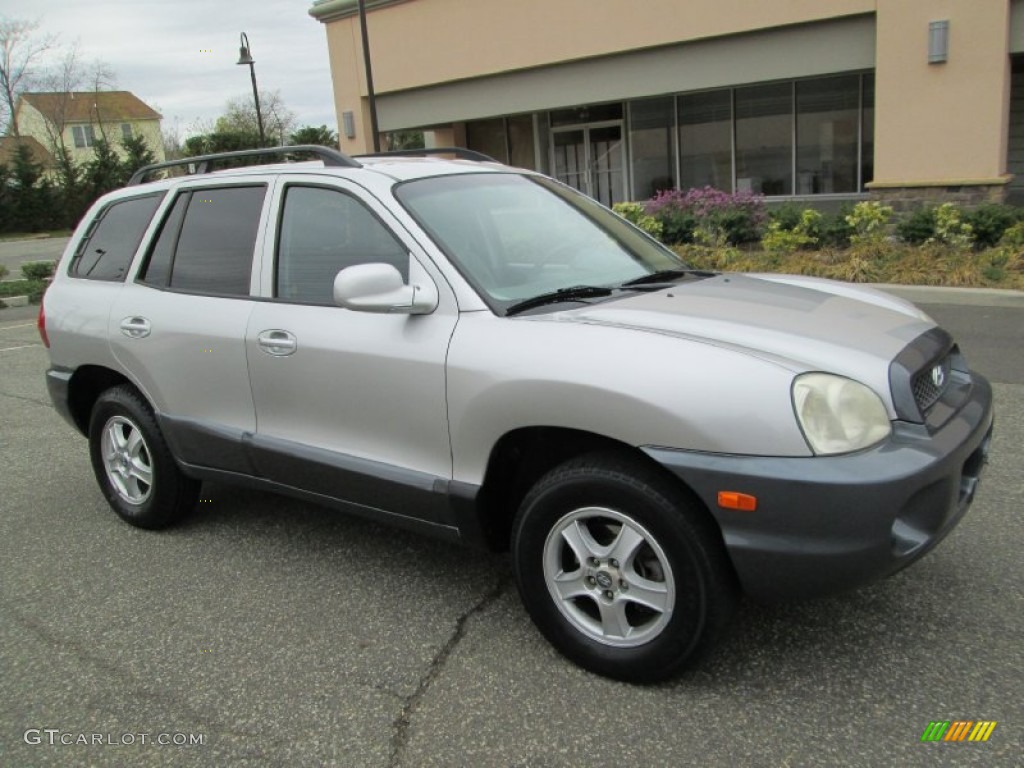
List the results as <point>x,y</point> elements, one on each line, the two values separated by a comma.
<point>240,116</point>
<point>21,46</point>
<point>61,81</point>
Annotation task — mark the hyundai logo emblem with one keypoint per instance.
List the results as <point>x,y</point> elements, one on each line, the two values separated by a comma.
<point>938,376</point>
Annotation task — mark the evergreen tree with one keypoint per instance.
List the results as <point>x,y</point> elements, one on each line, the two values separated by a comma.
<point>138,155</point>
<point>322,136</point>
<point>104,172</point>
<point>28,211</point>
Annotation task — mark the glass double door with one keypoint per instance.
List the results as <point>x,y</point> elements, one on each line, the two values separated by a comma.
<point>592,159</point>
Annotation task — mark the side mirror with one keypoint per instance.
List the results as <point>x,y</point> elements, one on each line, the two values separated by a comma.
<point>380,288</point>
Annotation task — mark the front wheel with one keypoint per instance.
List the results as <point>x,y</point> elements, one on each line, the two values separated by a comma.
<point>620,570</point>
<point>133,465</point>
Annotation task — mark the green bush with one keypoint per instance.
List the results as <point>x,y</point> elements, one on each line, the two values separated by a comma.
<point>951,229</point>
<point>634,213</point>
<point>3,271</point>
<point>835,231</point>
<point>918,227</point>
<point>989,222</point>
<point>870,223</point>
<point>787,216</point>
<point>37,270</point>
<point>1013,237</point>
<point>803,234</point>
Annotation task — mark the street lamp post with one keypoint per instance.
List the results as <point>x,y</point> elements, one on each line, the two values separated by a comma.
<point>245,57</point>
<point>371,98</point>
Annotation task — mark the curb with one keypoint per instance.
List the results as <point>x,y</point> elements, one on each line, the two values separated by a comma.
<point>930,294</point>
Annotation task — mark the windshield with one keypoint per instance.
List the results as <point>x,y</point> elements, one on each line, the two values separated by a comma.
<point>515,237</point>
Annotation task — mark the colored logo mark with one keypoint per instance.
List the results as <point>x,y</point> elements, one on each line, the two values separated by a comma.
<point>958,730</point>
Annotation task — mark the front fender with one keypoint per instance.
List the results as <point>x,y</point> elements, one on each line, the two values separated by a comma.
<point>633,386</point>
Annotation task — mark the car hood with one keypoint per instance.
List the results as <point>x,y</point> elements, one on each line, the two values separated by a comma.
<point>799,322</point>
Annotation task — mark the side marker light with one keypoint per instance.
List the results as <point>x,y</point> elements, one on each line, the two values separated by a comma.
<point>741,502</point>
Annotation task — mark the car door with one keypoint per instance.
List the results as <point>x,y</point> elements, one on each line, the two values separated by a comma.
<point>349,404</point>
<point>178,328</point>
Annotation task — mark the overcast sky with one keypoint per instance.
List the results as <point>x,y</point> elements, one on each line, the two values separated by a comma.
<point>179,56</point>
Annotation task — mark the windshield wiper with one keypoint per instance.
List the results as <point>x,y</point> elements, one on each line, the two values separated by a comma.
<point>572,293</point>
<point>667,275</point>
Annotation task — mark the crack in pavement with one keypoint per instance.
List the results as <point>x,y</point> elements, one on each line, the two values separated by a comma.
<point>402,723</point>
<point>26,399</point>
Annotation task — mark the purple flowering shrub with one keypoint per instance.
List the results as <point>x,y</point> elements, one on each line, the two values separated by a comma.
<point>708,215</point>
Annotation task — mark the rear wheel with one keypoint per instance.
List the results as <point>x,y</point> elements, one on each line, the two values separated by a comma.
<point>133,465</point>
<point>623,573</point>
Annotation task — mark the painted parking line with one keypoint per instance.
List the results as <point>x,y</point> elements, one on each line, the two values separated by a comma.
<point>23,325</point>
<point>14,349</point>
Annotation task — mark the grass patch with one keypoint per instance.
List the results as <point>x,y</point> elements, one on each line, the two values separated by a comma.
<point>31,288</point>
<point>34,235</point>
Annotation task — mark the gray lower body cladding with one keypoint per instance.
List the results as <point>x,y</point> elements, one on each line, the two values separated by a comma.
<point>828,524</point>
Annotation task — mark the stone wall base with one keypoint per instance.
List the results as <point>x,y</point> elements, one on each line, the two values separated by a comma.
<point>910,198</point>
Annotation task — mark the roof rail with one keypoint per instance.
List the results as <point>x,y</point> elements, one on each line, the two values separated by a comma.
<point>461,153</point>
<point>206,163</point>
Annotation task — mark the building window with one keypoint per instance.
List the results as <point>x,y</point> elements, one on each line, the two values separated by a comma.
<point>705,140</point>
<point>827,131</point>
<point>651,136</point>
<point>84,136</point>
<point>764,139</point>
<point>507,139</point>
<point>488,136</point>
<point>126,131</point>
<point>867,122</point>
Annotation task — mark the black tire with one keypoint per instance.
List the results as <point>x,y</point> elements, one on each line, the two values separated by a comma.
<point>139,477</point>
<point>609,500</point>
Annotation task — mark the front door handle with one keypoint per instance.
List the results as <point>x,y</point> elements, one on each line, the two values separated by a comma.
<point>136,327</point>
<point>278,343</point>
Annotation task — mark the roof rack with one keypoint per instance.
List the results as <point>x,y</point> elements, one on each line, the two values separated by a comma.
<point>206,163</point>
<point>461,153</point>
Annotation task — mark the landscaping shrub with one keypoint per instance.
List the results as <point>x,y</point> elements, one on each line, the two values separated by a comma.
<point>918,227</point>
<point>37,270</point>
<point>1013,237</point>
<point>708,215</point>
<point>634,213</point>
<point>951,229</point>
<point>869,222</point>
<point>3,271</point>
<point>834,231</point>
<point>989,222</point>
<point>803,234</point>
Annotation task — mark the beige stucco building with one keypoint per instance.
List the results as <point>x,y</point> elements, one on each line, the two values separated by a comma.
<point>75,120</point>
<point>902,99</point>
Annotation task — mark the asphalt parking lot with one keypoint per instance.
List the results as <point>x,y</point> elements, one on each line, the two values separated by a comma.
<point>269,632</point>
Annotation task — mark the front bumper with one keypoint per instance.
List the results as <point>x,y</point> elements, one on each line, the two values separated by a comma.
<point>826,524</point>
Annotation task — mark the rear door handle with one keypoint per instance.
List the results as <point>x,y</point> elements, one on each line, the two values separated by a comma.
<point>277,342</point>
<point>136,327</point>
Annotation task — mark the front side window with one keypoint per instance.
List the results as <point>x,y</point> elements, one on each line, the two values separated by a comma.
<point>106,251</point>
<point>322,232</point>
<point>515,237</point>
<point>207,240</point>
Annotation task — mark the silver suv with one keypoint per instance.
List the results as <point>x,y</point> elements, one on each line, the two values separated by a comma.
<point>481,353</point>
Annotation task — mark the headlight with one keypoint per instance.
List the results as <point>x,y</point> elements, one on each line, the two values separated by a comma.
<point>838,415</point>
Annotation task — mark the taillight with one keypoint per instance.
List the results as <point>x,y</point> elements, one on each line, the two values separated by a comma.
<point>41,326</point>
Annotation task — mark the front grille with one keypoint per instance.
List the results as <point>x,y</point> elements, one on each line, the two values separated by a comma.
<point>930,382</point>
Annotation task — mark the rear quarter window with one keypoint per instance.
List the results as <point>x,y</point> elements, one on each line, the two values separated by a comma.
<point>112,239</point>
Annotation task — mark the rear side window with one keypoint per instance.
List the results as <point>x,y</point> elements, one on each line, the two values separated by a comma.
<point>206,241</point>
<point>323,231</point>
<point>106,251</point>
